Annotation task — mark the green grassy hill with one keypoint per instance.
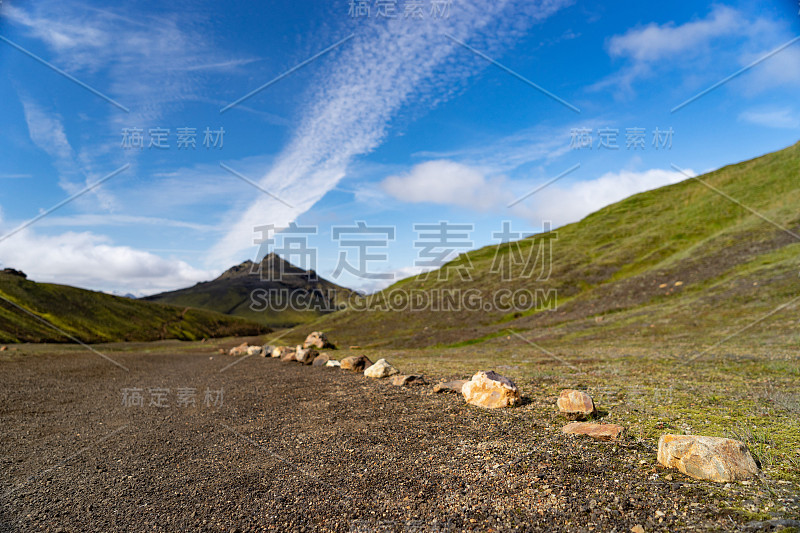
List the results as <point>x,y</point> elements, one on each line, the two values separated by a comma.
<point>680,263</point>
<point>237,289</point>
<point>98,317</point>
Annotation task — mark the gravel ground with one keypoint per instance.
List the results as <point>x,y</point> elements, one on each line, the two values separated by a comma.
<point>293,448</point>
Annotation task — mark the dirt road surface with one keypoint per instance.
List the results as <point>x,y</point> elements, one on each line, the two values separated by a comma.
<point>290,448</point>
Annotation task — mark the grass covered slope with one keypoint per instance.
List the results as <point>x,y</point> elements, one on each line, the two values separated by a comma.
<point>689,262</point>
<point>99,317</point>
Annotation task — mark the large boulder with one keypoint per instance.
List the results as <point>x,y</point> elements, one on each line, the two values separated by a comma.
<point>604,432</point>
<point>254,350</point>
<point>575,404</point>
<point>711,458</point>
<point>357,363</point>
<point>305,355</point>
<point>239,350</point>
<point>381,369</point>
<point>321,360</point>
<point>450,386</point>
<point>318,339</point>
<point>490,390</point>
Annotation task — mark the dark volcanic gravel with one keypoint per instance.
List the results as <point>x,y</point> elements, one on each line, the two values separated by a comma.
<point>295,448</point>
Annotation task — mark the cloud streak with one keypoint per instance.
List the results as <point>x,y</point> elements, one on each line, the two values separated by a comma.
<point>370,81</point>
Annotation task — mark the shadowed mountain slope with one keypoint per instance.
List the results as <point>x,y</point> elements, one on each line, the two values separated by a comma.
<point>273,292</point>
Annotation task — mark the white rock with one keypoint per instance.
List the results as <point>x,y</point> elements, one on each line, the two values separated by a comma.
<point>490,390</point>
<point>381,369</point>
<point>711,458</point>
<point>254,350</point>
<point>333,363</point>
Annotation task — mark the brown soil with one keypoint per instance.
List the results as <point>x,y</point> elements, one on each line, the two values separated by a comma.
<point>300,448</point>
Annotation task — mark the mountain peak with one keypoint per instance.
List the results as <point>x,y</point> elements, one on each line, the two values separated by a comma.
<point>270,267</point>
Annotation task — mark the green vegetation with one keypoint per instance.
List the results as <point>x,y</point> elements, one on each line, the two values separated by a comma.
<point>97,317</point>
<point>676,312</point>
<point>680,263</point>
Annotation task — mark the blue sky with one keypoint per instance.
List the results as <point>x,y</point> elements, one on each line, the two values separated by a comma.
<point>448,112</point>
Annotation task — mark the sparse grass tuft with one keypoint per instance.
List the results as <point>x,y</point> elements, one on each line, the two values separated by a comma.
<point>759,443</point>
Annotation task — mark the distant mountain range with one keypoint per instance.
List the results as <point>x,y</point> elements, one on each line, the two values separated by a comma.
<point>27,307</point>
<point>273,292</point>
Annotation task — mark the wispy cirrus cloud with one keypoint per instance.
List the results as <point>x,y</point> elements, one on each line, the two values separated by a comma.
<point>783,117</point>
<point>150,63</point>
<point>371,79</point>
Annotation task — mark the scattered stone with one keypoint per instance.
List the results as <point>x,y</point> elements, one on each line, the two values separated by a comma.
<point>254,350</point>
<point>318,339</point>
<point>333,363</point>
<point>711,458</point>
<point>287,353</point>
<point>603,432</point>
<point>358,363</point>
<point>239,350</point>
<point>637,529</point>
<point>4,348</point>
<point>381,369</point>
<point>575,404</point>
<point>321,360</point>
<point>450,386</point>
<point>401,380</point>
<point>221,351</point>
<point>305,355</point>
<point>490,390</point>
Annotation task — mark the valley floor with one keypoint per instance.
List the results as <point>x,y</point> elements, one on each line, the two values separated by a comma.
<point>266,445</point>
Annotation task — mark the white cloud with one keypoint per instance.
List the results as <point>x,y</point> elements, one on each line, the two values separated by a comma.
<point>539,144</point>
<point>447,182</point>
<point>667,41</point>
<point>47,133</point>
<point>726,39</point>
<point>563,204</point>
<point>87,219</point>
<point>784,117</point>
<point>781,70</point>
<point>373,77</point>
<point>93,261</point>
<point>152,61</point>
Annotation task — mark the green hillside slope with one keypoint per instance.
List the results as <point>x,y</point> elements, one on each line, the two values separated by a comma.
<point>98,317</point>
<point>694,262</point>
